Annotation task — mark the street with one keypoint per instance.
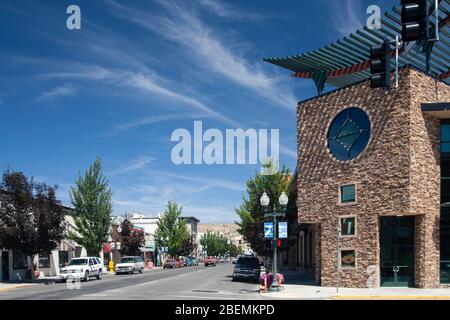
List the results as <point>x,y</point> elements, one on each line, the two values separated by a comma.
<point>175,284</point>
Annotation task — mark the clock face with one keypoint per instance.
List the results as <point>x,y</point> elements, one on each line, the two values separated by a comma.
<point>349,134</point>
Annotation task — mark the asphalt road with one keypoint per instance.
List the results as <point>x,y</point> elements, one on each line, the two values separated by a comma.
<point>194,283</point>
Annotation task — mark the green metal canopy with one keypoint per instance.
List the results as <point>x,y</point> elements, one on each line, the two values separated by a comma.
<point>347,61</point>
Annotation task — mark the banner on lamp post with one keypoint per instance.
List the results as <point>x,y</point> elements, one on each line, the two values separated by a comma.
<point>282,230</point>
<point>268,230</point>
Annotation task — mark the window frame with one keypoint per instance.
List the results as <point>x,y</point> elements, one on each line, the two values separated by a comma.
<point>340,194</point>
<point>331,123</point>
<point>354,227</point>
<point>340,259</point>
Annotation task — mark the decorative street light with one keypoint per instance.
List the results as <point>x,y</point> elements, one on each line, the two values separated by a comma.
<point>265,201</point>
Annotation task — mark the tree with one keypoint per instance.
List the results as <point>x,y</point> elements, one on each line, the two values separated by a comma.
<point>215,244</point>
<point>31,218</point>
<point>188,246</point>
<point>251,214</point>
<point>92,204</point>
<point>132,239</point>
<point>235,250</point>
<point>170,225</point>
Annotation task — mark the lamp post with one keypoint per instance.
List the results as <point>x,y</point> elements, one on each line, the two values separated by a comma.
<point>283,201</point>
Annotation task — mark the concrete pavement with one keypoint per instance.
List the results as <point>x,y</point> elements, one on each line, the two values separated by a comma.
<point>298,287</point>
<point>195,283</point>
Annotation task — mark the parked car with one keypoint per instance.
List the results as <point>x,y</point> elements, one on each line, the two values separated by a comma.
<point>179,263</point>
<point>248,268</point>
<point>188,262</point>
<point>82,268</point>
<point>170,264</point>
<point>194,261</point>
<point>210,261</point>
<point>233,260</point>
<point>130,265</point>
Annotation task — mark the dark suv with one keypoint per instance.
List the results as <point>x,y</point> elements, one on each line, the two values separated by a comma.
<point>247,268</point>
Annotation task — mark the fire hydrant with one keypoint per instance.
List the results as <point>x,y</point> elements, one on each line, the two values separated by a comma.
<point>111,266</point>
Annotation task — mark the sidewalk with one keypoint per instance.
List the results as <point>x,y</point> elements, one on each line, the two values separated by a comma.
<point>298,287</point>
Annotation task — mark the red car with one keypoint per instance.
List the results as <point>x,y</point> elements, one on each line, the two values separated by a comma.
<point>210,261</point>
<point>179,263</point>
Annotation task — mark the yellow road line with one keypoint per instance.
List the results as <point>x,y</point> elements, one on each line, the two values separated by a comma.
<point>13,288</point>
<point>390,297</point>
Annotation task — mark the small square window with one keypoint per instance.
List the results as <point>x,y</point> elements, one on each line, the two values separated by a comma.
<point>348,194</point>
<point>348,259</point>
<point>348,226</point>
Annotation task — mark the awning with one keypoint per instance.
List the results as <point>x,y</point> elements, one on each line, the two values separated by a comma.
<point>438,110</point>
<point>347,61</point>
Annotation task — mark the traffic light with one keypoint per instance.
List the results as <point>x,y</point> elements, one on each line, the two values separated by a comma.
<point>282,244</point>
<point>380,65</point>
<point>414,20</point>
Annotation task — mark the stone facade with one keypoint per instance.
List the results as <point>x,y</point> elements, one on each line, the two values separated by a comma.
<point>397,174</point>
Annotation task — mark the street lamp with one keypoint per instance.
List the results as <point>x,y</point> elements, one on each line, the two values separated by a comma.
<point>283,201</point>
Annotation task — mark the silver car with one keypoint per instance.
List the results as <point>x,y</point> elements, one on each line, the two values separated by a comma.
<point>130,264</point>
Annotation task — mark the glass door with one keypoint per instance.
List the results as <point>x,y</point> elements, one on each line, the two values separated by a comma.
<point>397,251</point>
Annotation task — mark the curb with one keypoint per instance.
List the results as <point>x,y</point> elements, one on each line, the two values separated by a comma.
<point>14,288</point>
<point>390,297</point>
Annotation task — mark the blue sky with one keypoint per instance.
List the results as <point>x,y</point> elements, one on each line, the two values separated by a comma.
<point>138,70</point>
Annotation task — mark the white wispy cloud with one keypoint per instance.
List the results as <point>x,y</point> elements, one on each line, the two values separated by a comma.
<point>290,152</point>
<point>182,26</point>
<point>208,182</point>
<point>121,127</point>
<point>346,16</point>
<point>66,89</point>
<point>133,165</point>
<point>148,82</point>
<point>226,10</point>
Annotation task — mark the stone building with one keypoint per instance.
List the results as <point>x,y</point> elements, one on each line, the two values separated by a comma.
<point>371,204</point>
<point>371,183</point>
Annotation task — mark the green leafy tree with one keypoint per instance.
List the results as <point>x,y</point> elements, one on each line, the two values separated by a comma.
<point>235,250</point>
<point>31,218</point>
<point>131,238</point>
<point>92,204</point>
<point>250,212</point>
<point>188,246</point>
<point>216,244</point>
<point>170,225</point>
